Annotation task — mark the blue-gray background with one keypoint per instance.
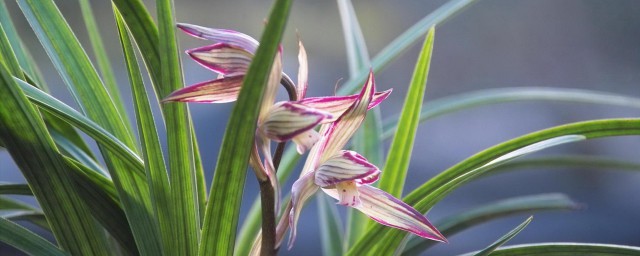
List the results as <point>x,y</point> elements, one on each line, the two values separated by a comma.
<point>494,43</point>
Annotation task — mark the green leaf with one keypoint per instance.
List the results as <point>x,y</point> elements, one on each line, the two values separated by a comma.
<point>405,40</point>
<point>35,217</point>
<point>184,194</point>
<point>75,152</point>
<point>70,115</point>
<point>15,189</point>
<point>145,33</point>
<point>83,81</point>
<point>397,163</point>
<point>23,56</point>
<point>331,233</point>
<point>570,161</point>
<point>567,249</point>
<point>502,240</point>
<point>431,192</point>
<point>155,168</point>
<point>102,58</point>
<point>221,216</point>
<point>507,207</point>
<point>25,240</point>
<point>463,101</point>
<point>30,146</point>
<point>11,204</point>
<point>74,66</point>
<point>100,195</point>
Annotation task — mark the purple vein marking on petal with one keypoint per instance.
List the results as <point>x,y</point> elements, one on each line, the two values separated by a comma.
<point>300,110</point>
<point>214,91</point>
<point>220,35</point>
<point>222,58</point>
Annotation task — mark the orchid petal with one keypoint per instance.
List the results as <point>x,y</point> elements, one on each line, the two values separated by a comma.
<point>286,120</point>
<point>269,96</point>
<point>348,194</point>
<point>226,59</point>
<point>390,211</point>
<point>303,72</point>
<point>340,131</point>
<point>305,140</point>
<point>346,166</point>
<point>214,91</point>
<point>336,105</point>
<point>302,189</point>
<point>221,35</point>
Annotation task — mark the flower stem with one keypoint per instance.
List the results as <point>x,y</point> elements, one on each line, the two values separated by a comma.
<point>267,247</point>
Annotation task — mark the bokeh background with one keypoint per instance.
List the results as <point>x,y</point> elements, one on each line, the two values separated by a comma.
<point>585,44</point>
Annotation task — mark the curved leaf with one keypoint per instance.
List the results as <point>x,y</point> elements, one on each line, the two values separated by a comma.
<point>567,249</point>
<point>25,240</point>
<point>424,197</point>
<point>502,240</point>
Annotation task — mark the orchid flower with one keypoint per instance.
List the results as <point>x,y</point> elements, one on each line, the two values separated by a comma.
<point>346,176</point>
<point>230,58</point>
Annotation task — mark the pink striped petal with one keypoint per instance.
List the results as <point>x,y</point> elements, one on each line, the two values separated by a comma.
<point>303,72</point>
<point>269,95</point>
<point>226,59</point>
<point>286,120</point>
<point>346,166</point>
<point>302,189</point>
<point>390,211</point>
<point>339,132</point>
<point>336,105</point>
<point>215,91</point>
<point>221,35</point>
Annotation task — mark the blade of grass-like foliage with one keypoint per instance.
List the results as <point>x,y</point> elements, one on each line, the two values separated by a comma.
<point>397,163</point>
<point>76,153</point>
<point>74,66</point>
<point>431,192</point>
<point>25,240</point>
<point>251,224</point>
<point>201,183</point>
<point>504,239</point>
<point>221,216</point>
<point>23,56</point>
<point>463,101</point>
<point>184,194</point>
<point>330,226</point>
<point>30,146</point>
<point>8,57</point>
<point>11,204</point>
<point>405,40</point>
<point>35,217</point>
<point>145,33</point>
<point>82,79</point>
<point>102,59</point>
<point>15,189</point>
<point>567,249</point>
<point>570,161</point>
<point>507,207</point>
<point>155,168</point>
<point>70,115</point>
<point>101,197</point>
<point>366,140</point>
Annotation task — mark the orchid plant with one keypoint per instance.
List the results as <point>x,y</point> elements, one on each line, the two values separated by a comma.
<point>126,198</point>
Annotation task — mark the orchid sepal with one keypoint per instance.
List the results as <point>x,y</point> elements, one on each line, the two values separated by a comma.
<point>346,166</point>
<point>225,59</point>
<point>336,105</point>
<point>220,90</point>
<point>221,35</point>
<point>287,120</point>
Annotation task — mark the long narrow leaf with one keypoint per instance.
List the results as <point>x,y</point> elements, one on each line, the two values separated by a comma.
<point>155,168</point>
<point>221,216</point>
<point>184,195</point>
<point>454,103</point>
<point>15,189</point>
<point>102,59</point>
<point>30,146</point>
<point>397,163</point>
<point>405,40</point>
<point>504,239</point>
<point>35,217</point>
<point>331,233</point>
<point>25,240</point>
<point>565,249</point>
<point>517,205</point>
<point>424,197</point>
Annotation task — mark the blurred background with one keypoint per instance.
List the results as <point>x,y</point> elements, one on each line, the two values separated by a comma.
<point>586,44</point>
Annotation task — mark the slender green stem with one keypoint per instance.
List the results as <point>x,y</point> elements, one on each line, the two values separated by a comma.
<point>267,196</point>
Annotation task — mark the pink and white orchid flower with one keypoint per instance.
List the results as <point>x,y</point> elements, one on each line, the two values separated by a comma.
<point>346,176</point>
